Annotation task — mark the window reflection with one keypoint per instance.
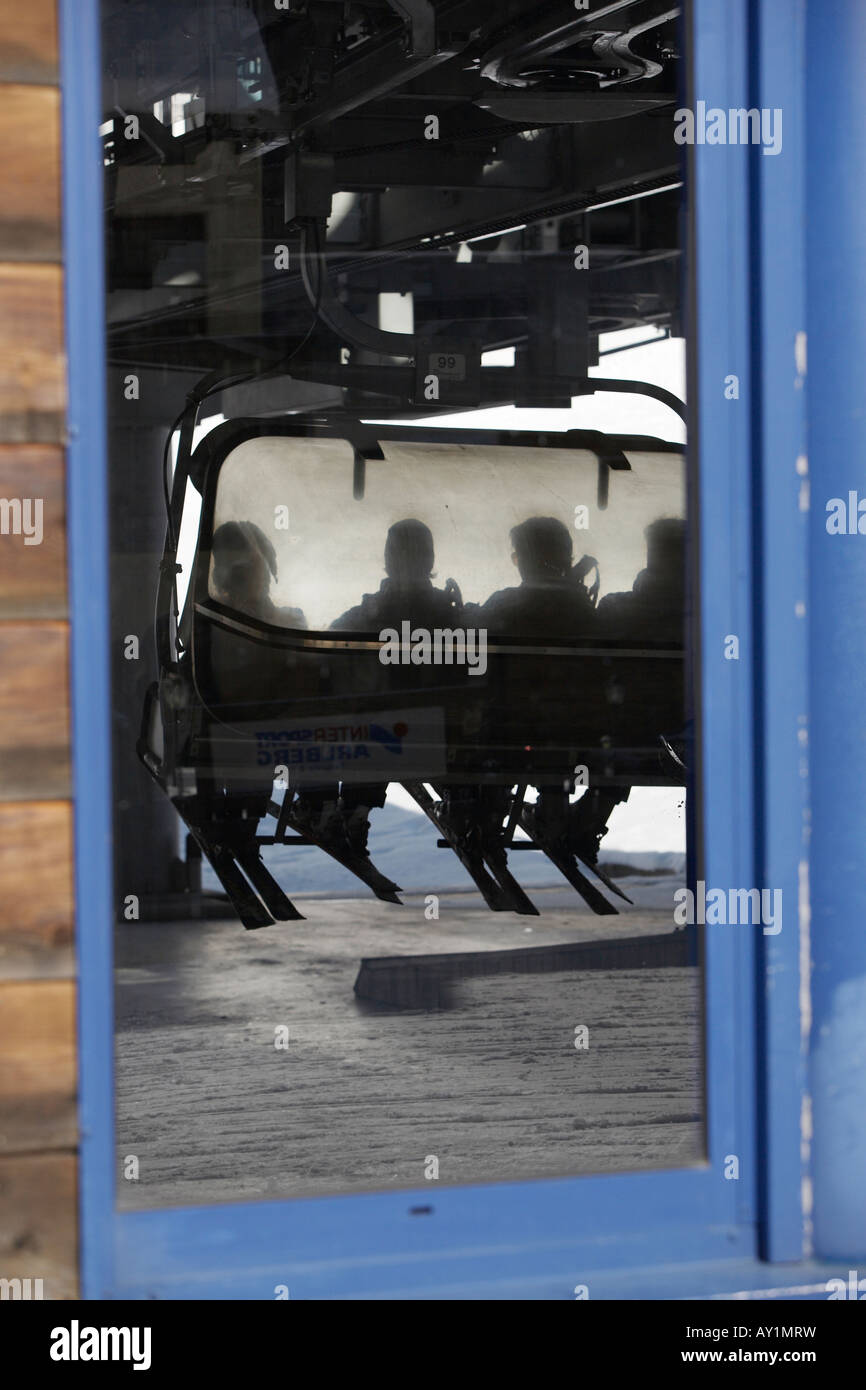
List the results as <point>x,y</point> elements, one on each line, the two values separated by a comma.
<point>417,709</point>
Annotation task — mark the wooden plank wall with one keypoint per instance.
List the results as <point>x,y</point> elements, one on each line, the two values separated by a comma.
<point>38,1122</point>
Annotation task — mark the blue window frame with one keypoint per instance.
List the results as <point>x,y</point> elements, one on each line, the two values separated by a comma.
<point>534,1239</point>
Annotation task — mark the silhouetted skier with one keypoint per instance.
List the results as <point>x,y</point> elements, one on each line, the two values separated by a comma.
<point>551,599</point>
<point>244,566</point>
<point>406,594</point>
<point>653,609</point>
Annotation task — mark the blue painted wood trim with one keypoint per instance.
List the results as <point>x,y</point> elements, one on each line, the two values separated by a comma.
<point>781,535</point>
<point>87,522</point>
<point>836,289</point>
<point>531,1231</point>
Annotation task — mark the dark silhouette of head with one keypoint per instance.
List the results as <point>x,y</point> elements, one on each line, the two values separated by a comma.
<point>244,562</point>
<point>666,550</point>
<point>409,553</point>
<point>543,551</point>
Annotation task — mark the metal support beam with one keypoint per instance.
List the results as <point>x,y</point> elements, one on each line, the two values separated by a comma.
<point>421,18</point>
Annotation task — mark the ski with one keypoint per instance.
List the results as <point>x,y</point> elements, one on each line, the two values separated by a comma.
<point>356,862</point>
<point>493,893</point>
<point>605,878</point>
<point>586,832</point>
<point>566,864</point>
<point>497,862</point>
<point>260,876</point>
<point>252,912</point>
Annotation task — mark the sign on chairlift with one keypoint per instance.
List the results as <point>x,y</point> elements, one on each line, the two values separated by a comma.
<point>448,371</point>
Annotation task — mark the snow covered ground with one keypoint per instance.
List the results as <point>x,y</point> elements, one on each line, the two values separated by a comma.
<point>361,1095</point>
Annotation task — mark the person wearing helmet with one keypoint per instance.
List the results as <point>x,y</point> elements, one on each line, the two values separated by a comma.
<point>551,599</point>
<point>244,567</point>
<point>406,594</point>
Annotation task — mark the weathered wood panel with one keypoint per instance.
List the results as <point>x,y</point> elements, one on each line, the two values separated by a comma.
<point>32,571</point>
<point>38,1222</point>
<point>30,173</point>
<point>32,368</point>
<point>34,711</point>
<point>37,1066</point>
<point>28,41</point>
<point>36,890</point>
<point>38,1117</point>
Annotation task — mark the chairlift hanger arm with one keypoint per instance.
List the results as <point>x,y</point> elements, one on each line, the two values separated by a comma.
<point>347,326</point>
<point>635,388</point>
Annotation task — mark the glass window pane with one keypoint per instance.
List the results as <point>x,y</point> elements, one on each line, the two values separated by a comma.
<point>402,625</point>
<point>329,549</point>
